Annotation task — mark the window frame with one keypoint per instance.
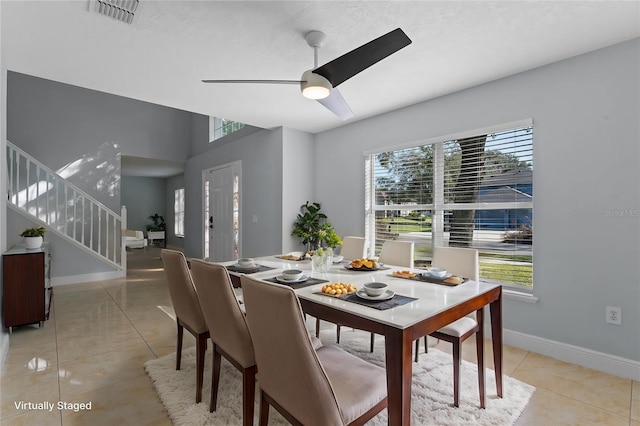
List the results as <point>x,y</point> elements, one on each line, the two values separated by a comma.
<point>438,206</point>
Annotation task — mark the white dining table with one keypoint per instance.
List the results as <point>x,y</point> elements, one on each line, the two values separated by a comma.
<point>436,305</point>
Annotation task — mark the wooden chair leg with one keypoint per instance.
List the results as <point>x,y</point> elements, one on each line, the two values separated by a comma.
<point>373,341</point>
<point>248,394</point>
<point>456,373</point>
<point>317,327</point>
<point>215,379</point>
<point>426,348</point>
<point>201,349</point>
<point>337,333</point>
<point>264,410</point>
<point>179,344</point>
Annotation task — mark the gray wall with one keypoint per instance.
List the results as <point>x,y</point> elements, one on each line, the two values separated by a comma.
<point>85,132</point>
<point>199,141</point>
<point>60,124</point>
<point>171,184</point>
<point>298,181</point>
<point>4,336</point>
<point>261,192</point>
<point>143,196</point>
<point>586,150</point>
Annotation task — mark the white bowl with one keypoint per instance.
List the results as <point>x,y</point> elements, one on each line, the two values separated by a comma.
<point>375,288</point>
<point>246,262</point>
<point>437,272</point>
<point>292,274</point>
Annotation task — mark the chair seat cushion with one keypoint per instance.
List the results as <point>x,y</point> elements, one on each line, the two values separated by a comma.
<point>315,342</point>
<point>352,401</point>
<point>459,327</point>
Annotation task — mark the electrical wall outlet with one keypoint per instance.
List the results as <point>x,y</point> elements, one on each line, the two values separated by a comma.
<point>614,315</point>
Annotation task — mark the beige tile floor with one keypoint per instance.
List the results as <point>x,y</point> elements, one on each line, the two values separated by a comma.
<point>99,334</point>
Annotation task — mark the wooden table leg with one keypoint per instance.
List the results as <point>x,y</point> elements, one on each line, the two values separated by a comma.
<point>495,309</point>
<point>480,355</point>
<point>398,345</point>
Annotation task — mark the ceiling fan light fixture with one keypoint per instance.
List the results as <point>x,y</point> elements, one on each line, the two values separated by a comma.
<point>314,86</point>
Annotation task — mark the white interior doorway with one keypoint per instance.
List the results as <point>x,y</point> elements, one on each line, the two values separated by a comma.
<point>221,195</point>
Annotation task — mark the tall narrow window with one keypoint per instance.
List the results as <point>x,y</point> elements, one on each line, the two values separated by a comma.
<point>178,210</point>
<point>473,191</point>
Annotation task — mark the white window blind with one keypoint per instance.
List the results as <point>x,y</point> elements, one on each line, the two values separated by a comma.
<point>473,191</point>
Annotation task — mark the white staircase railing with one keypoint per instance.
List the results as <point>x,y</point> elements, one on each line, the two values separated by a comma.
<point>42,195</point>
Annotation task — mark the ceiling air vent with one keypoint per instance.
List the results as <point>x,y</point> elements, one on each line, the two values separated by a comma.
<point>121,10</point>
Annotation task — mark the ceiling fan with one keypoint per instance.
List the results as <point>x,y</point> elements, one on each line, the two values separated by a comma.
<point>320,83</point>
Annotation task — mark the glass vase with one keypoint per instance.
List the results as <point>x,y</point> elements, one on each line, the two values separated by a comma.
<point>322,259</point>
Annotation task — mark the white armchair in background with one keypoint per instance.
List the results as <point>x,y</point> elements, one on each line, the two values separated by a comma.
<point>133,239</point>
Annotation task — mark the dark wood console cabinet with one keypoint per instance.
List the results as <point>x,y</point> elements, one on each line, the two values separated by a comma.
<point>26,289</point>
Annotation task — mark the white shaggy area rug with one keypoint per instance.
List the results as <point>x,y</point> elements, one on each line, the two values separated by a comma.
<point>431,396</point>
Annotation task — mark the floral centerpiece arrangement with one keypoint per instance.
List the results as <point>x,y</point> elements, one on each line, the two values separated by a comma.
<point>317,234</point>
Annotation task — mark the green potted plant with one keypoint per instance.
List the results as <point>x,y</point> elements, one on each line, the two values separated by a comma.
<point>313,229</point>
<point>155,230</point>
<point>157,223</point>
<point>33,237</point>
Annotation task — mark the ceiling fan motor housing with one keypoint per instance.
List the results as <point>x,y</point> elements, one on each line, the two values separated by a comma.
<point>314,86</point>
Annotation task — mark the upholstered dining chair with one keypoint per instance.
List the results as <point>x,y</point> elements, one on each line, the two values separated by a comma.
<point>462,262</point>
<point>327,386</point>
<point>187,310</point>
<point>397,253</point>
<point>228,331</point>
<point>352,248</point>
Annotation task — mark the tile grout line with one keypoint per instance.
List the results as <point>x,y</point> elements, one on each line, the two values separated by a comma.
<point>129,319</point>
<point>55,330</point>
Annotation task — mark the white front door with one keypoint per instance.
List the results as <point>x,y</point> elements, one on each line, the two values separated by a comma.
<point>223,221</point>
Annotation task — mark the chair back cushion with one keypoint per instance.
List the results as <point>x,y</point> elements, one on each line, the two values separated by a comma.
<point>398,253</point>
<point>457,260</point>
<point>183,293</point>
<point>353,248</point>
<point>225,320</point>
<point>289,370</point>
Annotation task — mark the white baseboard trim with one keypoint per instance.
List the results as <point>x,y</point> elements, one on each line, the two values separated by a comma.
<point>86,278</point>
<point>607,363</point>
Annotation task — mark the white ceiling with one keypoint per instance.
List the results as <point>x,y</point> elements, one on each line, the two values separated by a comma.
<point>172,45</point>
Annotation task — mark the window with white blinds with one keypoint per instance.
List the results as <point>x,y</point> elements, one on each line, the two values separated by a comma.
<point>474,190</point>
<point>178,211</point>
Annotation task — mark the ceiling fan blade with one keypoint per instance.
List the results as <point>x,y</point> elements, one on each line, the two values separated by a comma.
<point>255,81</point>
<point>337,105</point>
<point>346,66</point>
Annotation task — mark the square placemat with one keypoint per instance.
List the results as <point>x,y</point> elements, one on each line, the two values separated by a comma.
<point>261,268</point>
<point>307,283</point>
<point>396,300</point>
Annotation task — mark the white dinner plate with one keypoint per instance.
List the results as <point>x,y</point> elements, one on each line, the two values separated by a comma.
<point>337,259</point>
<point>282,279</point>
<point>384,296</point>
